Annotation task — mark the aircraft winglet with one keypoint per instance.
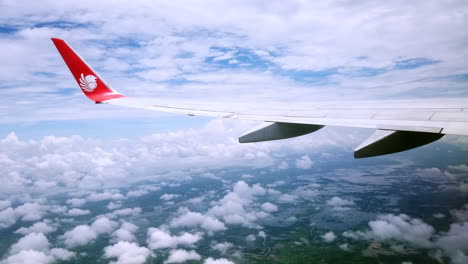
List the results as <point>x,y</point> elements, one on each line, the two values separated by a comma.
<point>92,85</point>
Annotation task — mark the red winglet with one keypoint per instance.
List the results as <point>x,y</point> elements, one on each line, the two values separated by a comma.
<point>92,85</point>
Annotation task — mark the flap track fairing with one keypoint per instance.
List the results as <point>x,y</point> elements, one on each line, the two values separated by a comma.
<point>277,131</point>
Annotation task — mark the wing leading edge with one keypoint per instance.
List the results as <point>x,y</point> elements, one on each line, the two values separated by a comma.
<point>399,125</point>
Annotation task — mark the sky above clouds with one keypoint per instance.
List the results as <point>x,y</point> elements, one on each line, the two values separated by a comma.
<point>82,182</point>
<point>243,51</point>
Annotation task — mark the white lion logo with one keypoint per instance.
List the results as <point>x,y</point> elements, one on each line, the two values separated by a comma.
<point>88,83</point>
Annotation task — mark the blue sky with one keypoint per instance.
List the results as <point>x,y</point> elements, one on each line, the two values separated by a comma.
<point>254,52</point>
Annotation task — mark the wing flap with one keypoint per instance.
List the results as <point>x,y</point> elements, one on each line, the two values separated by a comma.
<point>277,131</point>
<point>384,142</point>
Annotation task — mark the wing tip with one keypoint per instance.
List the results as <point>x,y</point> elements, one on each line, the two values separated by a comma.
<point>90,82</point>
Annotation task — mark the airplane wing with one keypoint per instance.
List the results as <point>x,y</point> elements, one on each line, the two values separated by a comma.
<point>400,125</point>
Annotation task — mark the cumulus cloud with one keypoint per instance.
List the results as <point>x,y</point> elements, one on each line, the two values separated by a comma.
<point>288,198</point>
<point>217,261</point>
<point>76,202</point>
<point>234,207</point>
<point>223,248</point>
<point>32,241</point>
<point>125,212</point>
<point>398,228</point>
<point>84,234</point>
<point>106,195</point>
<point>125,232</point>
<point>344,247</point>
<point>137,193</point>
<point>127,253</point>
<point>304,162</point>
<point>394,229</point>
<point>62,254</point>
<point>329,237</point>
<point>7,217</point>
<point>30,211</point>
<point>113,206</point>
<point>181,255</point>
<point>78,212</point>
<point>168,196</point>
<point>39,227</point>
<point>337,201</point>
<point>454,243</point>
<point>158,238</point>
<point>79,236</point>
<point>29,257</point>
<point>269,207</point>
<point>72,161</point>
<point>461,214</point>
<point>34,248</point>
<point>191,219</point>
<point>4,204</point>
<point>103,225</point>
<point>251,237</point>
<point>25,212</point>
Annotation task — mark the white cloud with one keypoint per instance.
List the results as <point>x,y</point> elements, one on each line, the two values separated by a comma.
<point>344,247</point>
<point>461,215</point>
<point>84,234</point>
<point>137,193</point>
<point>107,195</point>
<point>288,198</point>
<point>181,255</point>
<point>251,237</point>
<point>39,227</point>
<point>191,219</point>
<point>223,248</point>
<point>261,234</point>
<point>4,204</point>
<point>399,228</point>
<point>79,236</point>
<point>113,206</point>
<point>32,241</point>
<point>127,253</point>
<point>7,217</point>
<point>304,163</point>
<point>247,176</point>
<point>78,212</point>
<point>395,229</point>
<point>217,261</point>
<point>158,238</point>
<point>235,207</point>
<point>455,243</point>
<point>30,211</point>
<point>339,202</point>
<point>71,161</point>
<point>125,232</point>
<point>269,207</point>
<point>125,212</point>
<point>76,202</point>
<point>103,225</point>
<point>62,254</point>
<point>329,237</point>
<point>168,197</point>
<point>29,257</point>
